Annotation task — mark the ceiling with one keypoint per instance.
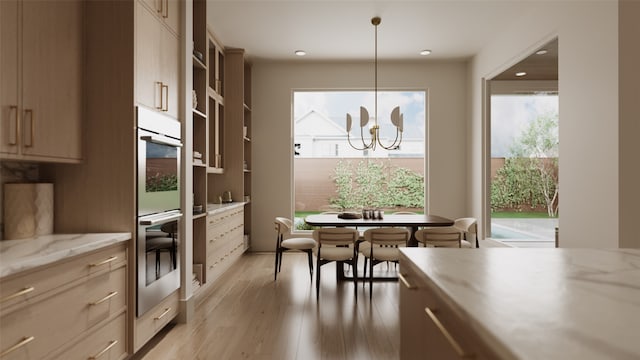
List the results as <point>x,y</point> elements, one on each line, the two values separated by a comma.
<point>334,30</point>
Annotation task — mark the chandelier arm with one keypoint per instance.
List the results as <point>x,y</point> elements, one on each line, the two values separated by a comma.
<point>357,148</point>
<point>395,142</point>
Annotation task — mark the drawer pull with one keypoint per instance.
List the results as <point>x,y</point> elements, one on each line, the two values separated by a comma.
<point>25,340</point>
<point>111,294</point>
<point>165,312</point>
<point>112,343</point>
<point>19,293</point>
<point>104,262</point>
<point>454,344</point>
<point>406,283</point>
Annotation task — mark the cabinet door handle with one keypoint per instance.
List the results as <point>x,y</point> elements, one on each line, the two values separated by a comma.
<point>161,8</point>
<point>165,101</point>
<point>165,13</point>
<point>165,312</point>
<point>111,294</point>
<point>406,283</point>
<point>104,262</point>
<point>454,344</point>
<point>111,344</point>
<point>25,340</point>
<point>159,87</point>
<point>13,137</point>
<point>28,113</point>
<point>19,293</point>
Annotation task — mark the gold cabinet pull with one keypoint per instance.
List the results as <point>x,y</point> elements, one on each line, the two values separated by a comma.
<point>28,113</point>
<point>165,312</point>
<point>25,340</point>
<point>112,343</point>
<point>160,9</point>
<point>165,100</point>
<point>454,344</point>
<point>406,283</point>
<point>13,140</point>
<point>159,84</point>
<point>104,262</point>
<point>165,13</point>
<point>111,294</point>
<point>19,293</point>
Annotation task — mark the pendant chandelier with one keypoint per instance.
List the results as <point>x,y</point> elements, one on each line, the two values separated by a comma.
<point>396,117</point>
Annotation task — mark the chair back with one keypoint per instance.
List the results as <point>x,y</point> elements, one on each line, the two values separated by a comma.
<point>448,236</point>
<point>387,236</point>
<point>468,225</point>
<point>335,236</point>
<point>283,225</point>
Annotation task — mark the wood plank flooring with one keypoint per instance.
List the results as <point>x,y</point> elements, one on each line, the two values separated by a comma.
<point>249,316</point>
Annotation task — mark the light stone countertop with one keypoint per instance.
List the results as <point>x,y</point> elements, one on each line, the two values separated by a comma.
<point>24,254</point>
<point>213,209</point>
<point>542,303</point>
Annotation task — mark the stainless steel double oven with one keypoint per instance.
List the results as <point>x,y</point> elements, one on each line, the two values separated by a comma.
<point>159,214</point>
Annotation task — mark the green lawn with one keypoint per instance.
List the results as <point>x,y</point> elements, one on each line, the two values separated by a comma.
<point>520,215</point>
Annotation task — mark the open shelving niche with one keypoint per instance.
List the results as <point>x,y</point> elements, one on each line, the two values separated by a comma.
<point>222,110</point>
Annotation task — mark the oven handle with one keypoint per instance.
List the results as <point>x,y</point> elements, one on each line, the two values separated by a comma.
<point>163,219</point>
<point>161,140</point>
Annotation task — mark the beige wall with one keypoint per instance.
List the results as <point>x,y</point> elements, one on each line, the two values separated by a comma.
<point>273,83</point>
<point>589,113</point>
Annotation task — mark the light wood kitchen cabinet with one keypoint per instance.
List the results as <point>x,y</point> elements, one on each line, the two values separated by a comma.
<point>429,327</point>
<point>224,241</point>
<point>155,319</point>
<point>167,11</point>
<point>77,303</point>
<point>41,80</point>
<point>157,63</point>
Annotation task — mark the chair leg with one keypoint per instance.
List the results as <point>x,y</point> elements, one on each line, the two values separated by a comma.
<point>354,261</point>
<point>275,272</point>
<point>318,265</point>
<point>310,257</point>
<point>371,275</point>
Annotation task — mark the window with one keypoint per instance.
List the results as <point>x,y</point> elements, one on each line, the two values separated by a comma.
<point>330,175</point>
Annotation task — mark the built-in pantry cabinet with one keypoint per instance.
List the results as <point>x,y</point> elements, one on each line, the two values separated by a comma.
<point>41,92</point>
<point>75,308</point>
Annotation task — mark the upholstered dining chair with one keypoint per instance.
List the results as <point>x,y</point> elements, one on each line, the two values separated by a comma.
<point>467,226</point>
<point>336,244</point>
<point>448,236</point>
<point>285,243</point>
<point>381,244</point>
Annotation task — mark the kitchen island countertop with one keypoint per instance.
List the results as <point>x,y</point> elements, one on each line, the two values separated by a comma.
<point>541,303</point>
<point>24,254</point>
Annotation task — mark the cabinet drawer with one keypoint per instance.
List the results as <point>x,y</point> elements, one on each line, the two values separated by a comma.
<point>155,319</point>
<point>56,320</point>
<point>27,288</point>
<point>108,342</point>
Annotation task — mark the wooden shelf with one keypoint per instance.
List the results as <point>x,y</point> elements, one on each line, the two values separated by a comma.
<point>246,139</point>
<point>200,165</point>
<point>199,113</point>
<point>198,64</point>
<point>199,215</point>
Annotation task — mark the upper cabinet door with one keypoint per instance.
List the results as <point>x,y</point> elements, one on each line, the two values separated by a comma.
<point>157,63</point>
<point>9,77</point>
<point>166,10</point>
<point>52,78</point>
<point>41,80</point>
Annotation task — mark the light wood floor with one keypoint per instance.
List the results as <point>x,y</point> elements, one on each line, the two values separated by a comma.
<point>249,316</point>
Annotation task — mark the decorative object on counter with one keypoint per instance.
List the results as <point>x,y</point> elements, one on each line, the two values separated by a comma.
<point>350,215</point>
<point>28,210</point>
<point>199,55</point>
<point>244,131</point>
<point>226,197</point>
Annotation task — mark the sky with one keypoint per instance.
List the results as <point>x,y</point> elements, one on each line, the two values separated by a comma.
<point>511,114</point>
<point>336,105</point>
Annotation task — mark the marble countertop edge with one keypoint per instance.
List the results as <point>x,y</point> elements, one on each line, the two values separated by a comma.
<point>213,209</point>
<point>20,255</point>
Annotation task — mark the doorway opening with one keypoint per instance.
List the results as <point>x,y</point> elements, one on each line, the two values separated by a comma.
<point>523,194</point>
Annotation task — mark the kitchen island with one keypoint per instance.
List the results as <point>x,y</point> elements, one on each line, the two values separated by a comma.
<point>511,303</point>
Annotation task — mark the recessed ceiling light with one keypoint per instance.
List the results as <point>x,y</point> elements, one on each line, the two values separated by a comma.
<point>300,52</point>
<point>521,73</point>
<point>425,52</point>
<point>541,52</point>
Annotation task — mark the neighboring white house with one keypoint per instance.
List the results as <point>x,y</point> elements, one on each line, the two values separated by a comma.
<point>316,135</point>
